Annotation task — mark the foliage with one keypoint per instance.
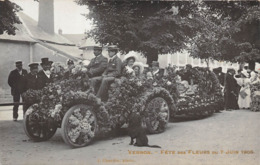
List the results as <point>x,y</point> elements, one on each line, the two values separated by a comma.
<point>144,26</point>
<point>230,25</point>
<point>8,17</point>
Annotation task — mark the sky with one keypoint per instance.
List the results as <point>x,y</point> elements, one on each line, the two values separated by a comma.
<point>67,15</point>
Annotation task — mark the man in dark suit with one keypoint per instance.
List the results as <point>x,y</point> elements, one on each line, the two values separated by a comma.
<point>17,82</point>
<point>32,81</point>
<point>98,64</point>
<point>156,73</point>
<point>112,71</point>
<point>220,75</point>
<point>230,90</point>
<point>44,75</point>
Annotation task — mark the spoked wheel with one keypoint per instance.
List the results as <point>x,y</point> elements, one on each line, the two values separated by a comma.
<point>36,127</point>
<point>79,126</point>
<point>158,115</point>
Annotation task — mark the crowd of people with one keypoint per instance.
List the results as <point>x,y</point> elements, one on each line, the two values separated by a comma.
<point>103,71</point>
<point>236,85</point>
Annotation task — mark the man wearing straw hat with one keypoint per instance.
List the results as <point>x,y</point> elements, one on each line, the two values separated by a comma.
<point>17,82</point>
<point>112,71</point>
<point>98,64</point>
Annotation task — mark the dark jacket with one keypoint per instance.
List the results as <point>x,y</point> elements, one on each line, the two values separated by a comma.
<point>32,82</point>
<point>17,82</point>
<point>221,78</point>
<point>230,84</point>
<point>97,66</point>
<point>114,67</point>
<point>157,76</point>
<point>43,79</point>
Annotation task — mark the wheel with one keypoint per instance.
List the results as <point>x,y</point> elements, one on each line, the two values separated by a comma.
<point>157,115</point>
<point>36,127</point>
<point>79,126</point>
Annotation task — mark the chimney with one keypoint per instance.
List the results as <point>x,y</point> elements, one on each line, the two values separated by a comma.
<point>46,15</point>
<point>60,31</point>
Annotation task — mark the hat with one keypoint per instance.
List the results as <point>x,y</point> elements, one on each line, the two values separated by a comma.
<point>33,65</point>
<point>69,62</point>
<point>244,72</point>
<point>97,48</point>
<point>45,61</point>
<point>155,63</point>
<point>140,65</point>
<point>112,48</point>
<point>18,63</point>
<point>130,56</point>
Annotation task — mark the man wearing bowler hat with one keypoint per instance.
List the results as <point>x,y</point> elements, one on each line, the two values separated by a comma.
<point>98,64</point>
<point>112,71</point>
<point>44,75</point>
<point>32,78</point>
<point>17,82</point>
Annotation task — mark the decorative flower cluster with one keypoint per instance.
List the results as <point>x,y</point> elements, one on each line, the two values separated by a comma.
<point>255,97</point>
<point>81,126</point>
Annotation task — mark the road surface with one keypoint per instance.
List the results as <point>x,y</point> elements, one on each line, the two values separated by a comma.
<point>229,137</point>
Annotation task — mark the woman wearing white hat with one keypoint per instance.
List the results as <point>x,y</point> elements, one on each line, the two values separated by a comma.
<point>128,64</point>
<point>138,68</point>
<point>244,98</point>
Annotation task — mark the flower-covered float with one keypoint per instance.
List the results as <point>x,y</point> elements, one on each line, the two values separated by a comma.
<point>70,104</point>
<point>202,97</point>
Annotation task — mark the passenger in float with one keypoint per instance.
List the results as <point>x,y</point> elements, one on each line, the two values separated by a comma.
<point>155,73</point>
<point>70,66</point>
<point>188,74</point>
<point>98,64</point>
<point>128,63</point>
<point>138,68</point>
<point>112,71</point>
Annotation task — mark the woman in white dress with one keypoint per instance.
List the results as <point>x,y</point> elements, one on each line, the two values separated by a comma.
<point>244,98</point>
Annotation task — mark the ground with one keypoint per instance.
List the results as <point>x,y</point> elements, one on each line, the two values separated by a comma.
<point>229,137</point>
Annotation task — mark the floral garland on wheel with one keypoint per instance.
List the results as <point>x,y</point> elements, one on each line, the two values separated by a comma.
<point>131,95</point>
<point>68,89</point>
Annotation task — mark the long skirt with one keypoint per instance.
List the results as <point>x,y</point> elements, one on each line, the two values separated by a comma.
<point>230,101</point>
<point>244,101</point>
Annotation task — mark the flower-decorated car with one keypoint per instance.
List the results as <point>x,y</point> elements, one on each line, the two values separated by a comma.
<point>70,103</point>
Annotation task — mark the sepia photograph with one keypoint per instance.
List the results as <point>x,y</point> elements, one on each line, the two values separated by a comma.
<point>129,82</point>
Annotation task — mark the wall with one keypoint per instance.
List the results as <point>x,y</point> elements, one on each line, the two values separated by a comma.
<point>40,51</point>
<point>9,53</point>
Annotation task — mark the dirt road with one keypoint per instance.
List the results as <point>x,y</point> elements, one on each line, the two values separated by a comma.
<point>230,137</point>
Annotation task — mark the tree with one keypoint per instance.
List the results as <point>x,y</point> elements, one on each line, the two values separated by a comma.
<point>236,27</point>
<point>8,17</point>
<point>149,27</point>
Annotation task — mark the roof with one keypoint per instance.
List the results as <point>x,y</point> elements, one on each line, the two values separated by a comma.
<point>76,39</point>
<point>29,31</point>
<point>20,36</point>
<point>68,51</point>
<point>37,33</point>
